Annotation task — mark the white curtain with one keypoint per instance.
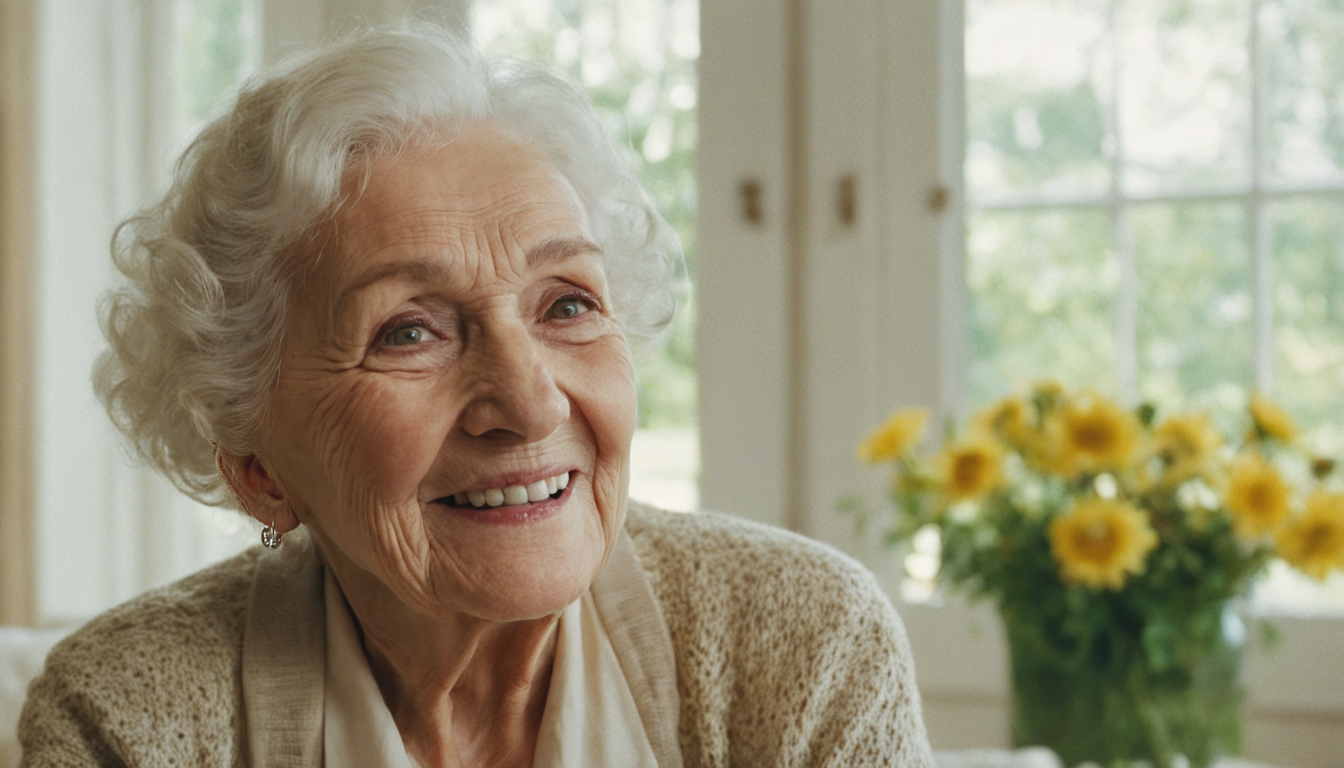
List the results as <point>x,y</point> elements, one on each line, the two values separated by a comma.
<point>105,529</point>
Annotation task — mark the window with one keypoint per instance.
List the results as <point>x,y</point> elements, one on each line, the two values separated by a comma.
<point>1153,190</point>
<point>1155,198</point>
<point>217,44</point>
<point>637,61</point>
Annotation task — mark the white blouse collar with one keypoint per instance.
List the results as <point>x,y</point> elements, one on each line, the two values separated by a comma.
<point>590,716</point>
<point>357,727</point>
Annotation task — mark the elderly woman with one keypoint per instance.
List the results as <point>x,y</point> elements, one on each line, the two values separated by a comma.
<point>387,309</point>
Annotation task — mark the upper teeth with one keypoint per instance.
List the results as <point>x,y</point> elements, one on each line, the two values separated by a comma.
<point>514,494</point>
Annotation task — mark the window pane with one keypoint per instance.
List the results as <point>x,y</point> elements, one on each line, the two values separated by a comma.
<point>1042,289</point>
<point>1037,77</point>
<point>1304,70</point>
<point>1195,325</point>
<point>1185,94</point>
<point>1308,253</point>
<point>216,47</point>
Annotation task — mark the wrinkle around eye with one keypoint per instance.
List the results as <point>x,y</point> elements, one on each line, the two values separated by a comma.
<point>409,335</point>
<point>431,353</point>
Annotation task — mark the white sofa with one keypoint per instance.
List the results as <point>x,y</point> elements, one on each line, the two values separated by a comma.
<point>21,654</point>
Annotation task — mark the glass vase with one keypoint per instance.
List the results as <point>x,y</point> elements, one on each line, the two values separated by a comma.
<point>1107,701</point>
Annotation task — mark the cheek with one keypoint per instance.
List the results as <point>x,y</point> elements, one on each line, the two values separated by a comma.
<point>366,439</point>
<point>605,393</point>
<point>608,398</point>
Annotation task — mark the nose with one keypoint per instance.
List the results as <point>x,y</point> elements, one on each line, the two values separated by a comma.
<point>514,392</point>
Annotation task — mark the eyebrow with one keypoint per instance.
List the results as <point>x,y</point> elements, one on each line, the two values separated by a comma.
<point>559,249</point>
<point>418,270</point>
<point>428,271</point>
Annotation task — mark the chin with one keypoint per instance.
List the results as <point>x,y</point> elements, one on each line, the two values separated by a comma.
<point>525,571</point>
<point>535,594</point>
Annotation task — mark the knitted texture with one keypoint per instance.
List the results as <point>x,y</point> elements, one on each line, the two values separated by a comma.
<point>787,654</point>
<point>154,681</point>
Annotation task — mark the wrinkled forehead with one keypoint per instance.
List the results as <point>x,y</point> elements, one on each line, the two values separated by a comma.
<point>479,189</point>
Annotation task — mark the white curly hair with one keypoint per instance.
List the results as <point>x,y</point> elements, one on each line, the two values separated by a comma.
<point>196,330</point>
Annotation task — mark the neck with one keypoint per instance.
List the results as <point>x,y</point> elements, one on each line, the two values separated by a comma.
<point>461,689</point>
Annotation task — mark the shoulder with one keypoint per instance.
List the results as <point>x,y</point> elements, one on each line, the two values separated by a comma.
<point>193,620</point>
<point>158,672</point>
<point>786,649</point>
<point>745,561</point>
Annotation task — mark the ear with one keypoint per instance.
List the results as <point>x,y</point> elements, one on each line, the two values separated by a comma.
<point>255,486</point>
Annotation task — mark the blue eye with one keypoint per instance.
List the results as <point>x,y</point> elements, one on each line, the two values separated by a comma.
<point>569,307</point>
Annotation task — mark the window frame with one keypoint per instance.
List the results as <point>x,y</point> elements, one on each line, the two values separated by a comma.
<point>1256,196</point>
<point>18,174</point>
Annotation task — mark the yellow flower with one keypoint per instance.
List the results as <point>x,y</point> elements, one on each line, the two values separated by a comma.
<point>1091,435</point>
<point>1013,422</point>
<point>894,438</point>
<point>1256,495</point>
<point>1185,443</point>
<point>1272,420</point>
<point>1009,419</point>
<point>1313,542</point>
<point>971,467</point>
<point>1099,542</point>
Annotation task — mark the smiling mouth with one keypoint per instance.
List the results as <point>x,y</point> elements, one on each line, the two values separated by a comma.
<point>511,495</point>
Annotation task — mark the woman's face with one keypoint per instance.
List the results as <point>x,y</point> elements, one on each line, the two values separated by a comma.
<point>456,400</point>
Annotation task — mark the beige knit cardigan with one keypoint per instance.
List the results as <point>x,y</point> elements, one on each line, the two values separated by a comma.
<point>743,646</point>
